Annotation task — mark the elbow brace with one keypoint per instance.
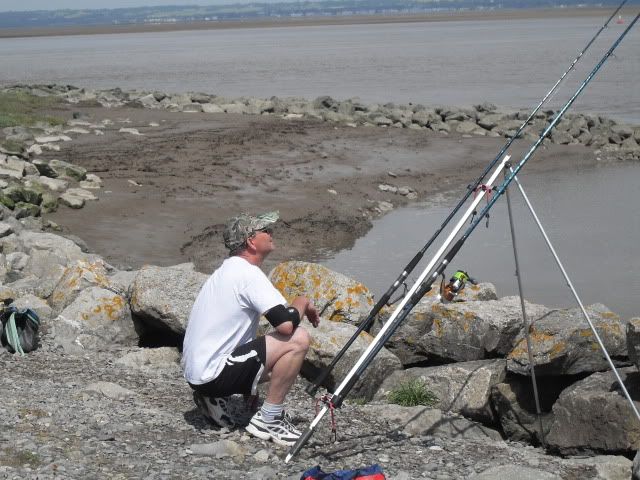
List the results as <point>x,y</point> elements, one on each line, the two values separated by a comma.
<point>281,314</point>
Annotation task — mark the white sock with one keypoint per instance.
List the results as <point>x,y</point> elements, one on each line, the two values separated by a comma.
<point>270,411</point>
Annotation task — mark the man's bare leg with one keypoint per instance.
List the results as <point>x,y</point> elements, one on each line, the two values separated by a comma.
<point>285,354</point>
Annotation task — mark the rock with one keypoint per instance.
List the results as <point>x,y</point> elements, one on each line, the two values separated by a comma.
<point>48,266</point>
<point>439,126</point>
<point>23,210</point>
<point>630,145</point>
<point>382,121</point>
<point>96,317</point>
<point>385,187</point>
<point>163,296</point>
<point>12,167</point>
<point>219,449</point>
<point>65,169</point>
<point>490,121</point>
<point>55,244</point>
<point>76,197</point>
<point>425,117</point>
<point>563,344</point>
<point>463,388</point>
<point>485,107</point>
<point>593,415</point>
<point>38,305</point>
<point>151,358</point>
<point>514,404</point>
<point>607,467</point>
<point>633,341</point>
<point>467,127</point>
<point>92,182</point>
<point>43,167</point>
<point>623,131</point>
<point>76,277</point>
<point>462,331</point>
<point>416,421</point>
<point>326,342</point>
<point>5,229</point>
<point>635,474</point>
<point>211,108</point>
<point>20,193</point>
<point>42,183</point>
<point>514,472</point>
<point>110,390</point>
<point>338,297</point>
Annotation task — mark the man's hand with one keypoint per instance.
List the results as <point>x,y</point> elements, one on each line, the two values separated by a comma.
<point>312,314</point>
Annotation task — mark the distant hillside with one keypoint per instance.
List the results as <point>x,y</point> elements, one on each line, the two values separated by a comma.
<point>169,15</point>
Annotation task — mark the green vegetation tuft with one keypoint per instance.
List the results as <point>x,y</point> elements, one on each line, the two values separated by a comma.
<point>22,108</point>
<point>412,393</point>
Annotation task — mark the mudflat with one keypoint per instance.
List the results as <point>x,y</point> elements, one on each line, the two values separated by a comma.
<point>168,191</point>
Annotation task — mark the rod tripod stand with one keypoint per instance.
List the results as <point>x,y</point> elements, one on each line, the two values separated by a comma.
<point>527,324</point>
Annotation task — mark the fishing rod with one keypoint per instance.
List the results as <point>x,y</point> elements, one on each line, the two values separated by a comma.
<point>365,325</point>
<point>424,284</point>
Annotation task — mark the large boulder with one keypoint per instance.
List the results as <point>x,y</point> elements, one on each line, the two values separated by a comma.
<point>97,318</point>
<point>326,342</point>
<point>63,247</point>
<point>633,341</point>
<point>563,344</point>
<point>63,169</point>
<point>464,331</point>
<point>417,421</point>
<point>463,388</point>
<point>593,415</point>
<point>163,296</point>
<point>607,467</point>
<point>338,297</point>
<point>513,402</point>
<point>75,278</point>
<point>404,342</point>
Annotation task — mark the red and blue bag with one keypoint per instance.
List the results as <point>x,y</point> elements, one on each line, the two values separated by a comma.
<point>374,472</point>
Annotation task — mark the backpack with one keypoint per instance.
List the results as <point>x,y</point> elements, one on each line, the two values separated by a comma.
<point>374,472</point>
<point>19,329</point>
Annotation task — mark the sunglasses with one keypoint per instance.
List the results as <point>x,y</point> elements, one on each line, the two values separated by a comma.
<point>268,231</point>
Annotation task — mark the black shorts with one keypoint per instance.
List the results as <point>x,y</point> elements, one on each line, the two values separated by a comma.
<point>241,373</point>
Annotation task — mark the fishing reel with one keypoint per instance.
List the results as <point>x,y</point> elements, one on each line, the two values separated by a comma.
<point>456,284</point>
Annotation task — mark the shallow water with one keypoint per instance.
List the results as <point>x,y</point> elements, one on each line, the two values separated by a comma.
<point>512,63</point>
<point>590,214</point>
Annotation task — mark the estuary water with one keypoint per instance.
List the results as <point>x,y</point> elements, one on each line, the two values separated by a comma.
<point>590,214</point>
<point>511,63</point>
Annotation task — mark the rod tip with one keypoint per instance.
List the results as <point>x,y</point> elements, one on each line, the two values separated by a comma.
<point>288,458</point>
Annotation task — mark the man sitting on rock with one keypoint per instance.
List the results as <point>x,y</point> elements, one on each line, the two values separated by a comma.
<point>222,355</point>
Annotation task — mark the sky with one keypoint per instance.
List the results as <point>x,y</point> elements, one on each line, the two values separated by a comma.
<point>22,5</point>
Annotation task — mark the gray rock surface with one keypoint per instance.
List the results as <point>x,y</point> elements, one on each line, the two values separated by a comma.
<point>416,421</point>
<point>95,318</point>
<point>607,467</point>
<point>463,387</point>
<point>336,296</point>
<point>326,342</point>
<point>563,343</point>
<point>163,297</point>
<point>514,472</point>
<point>593,415</point>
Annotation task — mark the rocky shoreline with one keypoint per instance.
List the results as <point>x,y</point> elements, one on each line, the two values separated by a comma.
<point>103,396</point>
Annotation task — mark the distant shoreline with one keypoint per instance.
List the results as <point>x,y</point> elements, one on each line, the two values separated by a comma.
<point>309,21</point>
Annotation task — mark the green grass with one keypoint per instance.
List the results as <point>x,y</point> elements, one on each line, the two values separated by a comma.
<point>412,393</point>
<point>22,108</point>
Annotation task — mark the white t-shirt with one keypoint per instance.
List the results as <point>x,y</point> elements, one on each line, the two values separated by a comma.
<point>224,316</point>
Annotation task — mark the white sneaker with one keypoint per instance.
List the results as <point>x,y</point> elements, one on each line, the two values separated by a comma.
<point>216,410</point>
<point>280,431</point>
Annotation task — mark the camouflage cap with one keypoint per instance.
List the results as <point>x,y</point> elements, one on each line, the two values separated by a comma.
<point>239,228</point>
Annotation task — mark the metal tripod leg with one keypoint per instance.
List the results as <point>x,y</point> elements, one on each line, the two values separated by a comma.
<point>575,295</point>
<point>527,325</point>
